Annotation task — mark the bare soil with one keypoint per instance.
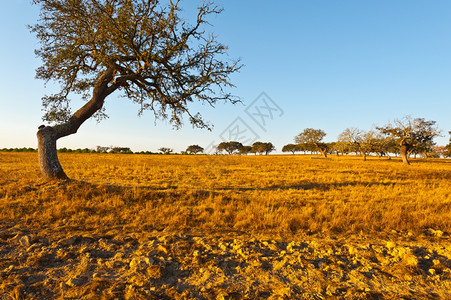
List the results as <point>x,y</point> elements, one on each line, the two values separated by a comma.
<point>47,263</point>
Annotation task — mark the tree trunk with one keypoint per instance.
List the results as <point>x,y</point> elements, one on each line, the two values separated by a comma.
<point>404,153</point>
<point>364,155</point>
<point>48,135</point>
<point>48,158</point>
<point>388,155</point>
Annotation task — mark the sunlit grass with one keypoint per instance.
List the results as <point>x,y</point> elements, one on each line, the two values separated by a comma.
<point>224,227</point>
<point>258,194</point>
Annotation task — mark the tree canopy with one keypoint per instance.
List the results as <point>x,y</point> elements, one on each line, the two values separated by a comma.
<point>359,140</point>
<point>291,148</point>
<point>311,139</point>
<point>194,149</point>
<point>411,134</point>
<point>262,147</point>
<point>230,147</point>
<point>142,49</point>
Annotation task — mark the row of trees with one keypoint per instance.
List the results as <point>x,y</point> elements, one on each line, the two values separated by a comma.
<point>237,147</point>
<point>406,137</point>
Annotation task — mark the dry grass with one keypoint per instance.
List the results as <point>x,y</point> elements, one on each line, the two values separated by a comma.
<point>270,198</point>
<point>256,194</point>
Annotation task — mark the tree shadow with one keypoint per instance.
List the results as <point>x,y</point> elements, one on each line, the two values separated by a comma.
<point>312,185</point>
<point>120,189</point>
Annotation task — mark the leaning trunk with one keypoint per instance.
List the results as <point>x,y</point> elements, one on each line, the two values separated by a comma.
<point>48,158</point>
<point>404,153</point>
<point>364,155</point>
<point>48,135</point>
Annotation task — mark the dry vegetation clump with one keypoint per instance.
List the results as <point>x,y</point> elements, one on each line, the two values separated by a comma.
<point>224,227</point>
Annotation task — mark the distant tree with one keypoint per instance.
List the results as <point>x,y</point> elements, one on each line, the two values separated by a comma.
<point>121,150</point>
<point>439,151</point>
<point>311,139</point>
<point>269,147</point>
<point>303,148</point>
<point>262,147</point>
<point>383,145</point>
<point>358,140</point>
<point>230,147</point>
<point>102,149</point>
<point>448,147</point>
<point>424,148</point>
<point>410,134</point>
<point>340,147</point>
<point>194,149</point>
<point>245,150</point>
<point>291,148</point>
<point>166,150</point>
<point>140,48</point>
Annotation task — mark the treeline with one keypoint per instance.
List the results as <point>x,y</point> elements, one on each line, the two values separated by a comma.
<point>18,150</point>
<point>405,137</point>
<point>79,150</point>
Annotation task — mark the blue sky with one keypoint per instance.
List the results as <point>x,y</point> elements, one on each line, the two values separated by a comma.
<point>323,64</point>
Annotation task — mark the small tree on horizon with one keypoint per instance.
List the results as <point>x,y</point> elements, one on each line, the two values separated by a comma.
<point>291,148</point>
<point>230,147</point>
<point>311,139</point>
<point>262,147</point>
<point>166,150</point>
<point>359,140</point>
<point>194,149</point>
<point>448,147</point>
<point>245,150</point>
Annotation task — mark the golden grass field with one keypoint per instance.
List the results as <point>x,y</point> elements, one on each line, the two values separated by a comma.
<point>225,227</point>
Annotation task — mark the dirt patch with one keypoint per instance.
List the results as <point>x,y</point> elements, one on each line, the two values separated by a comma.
<point>161,265</point>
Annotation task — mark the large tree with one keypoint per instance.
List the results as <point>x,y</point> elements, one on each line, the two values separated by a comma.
<point>140,49</point>
<point>311,139</point>
<point>410,134</point>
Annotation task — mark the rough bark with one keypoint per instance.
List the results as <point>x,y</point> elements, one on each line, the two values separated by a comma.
<point>48,159</point>
<point>404,153</point>
<point>48,135</point>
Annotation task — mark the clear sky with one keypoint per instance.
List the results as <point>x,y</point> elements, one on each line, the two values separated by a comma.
<point>322,64</point>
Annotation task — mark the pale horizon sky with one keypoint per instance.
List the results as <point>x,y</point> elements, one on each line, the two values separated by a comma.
<point>320,64</point>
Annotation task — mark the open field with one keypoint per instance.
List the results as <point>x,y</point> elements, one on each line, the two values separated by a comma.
<point>225,227</point>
